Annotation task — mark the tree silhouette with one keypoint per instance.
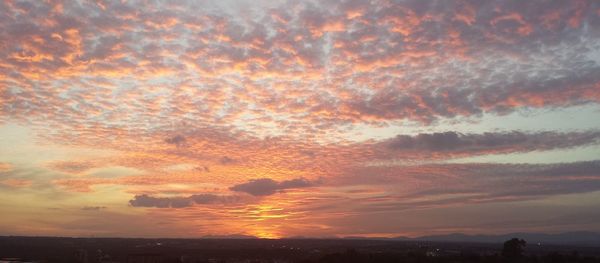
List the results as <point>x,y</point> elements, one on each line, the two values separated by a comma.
<point>513,248</point>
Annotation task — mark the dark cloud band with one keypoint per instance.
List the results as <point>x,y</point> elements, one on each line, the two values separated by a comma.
<point>180,202</point>
<point>267,186</point>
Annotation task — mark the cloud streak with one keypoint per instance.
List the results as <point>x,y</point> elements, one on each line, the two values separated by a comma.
<point>93,208</point>
<point>456,184</point>
<point>267,186</point>
<point>491,142</point>
<point>5,167</point>
<point>180,202</point>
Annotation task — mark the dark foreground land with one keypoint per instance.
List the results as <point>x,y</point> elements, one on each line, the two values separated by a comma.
<point>55,249</point>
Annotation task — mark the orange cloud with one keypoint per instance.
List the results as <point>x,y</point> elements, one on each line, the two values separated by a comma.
<point>16,183</point>
<point>5,167</point>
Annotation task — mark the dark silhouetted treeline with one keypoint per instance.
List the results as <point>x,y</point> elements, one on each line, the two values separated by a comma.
<point>133,250</point>
<point>353,256</point>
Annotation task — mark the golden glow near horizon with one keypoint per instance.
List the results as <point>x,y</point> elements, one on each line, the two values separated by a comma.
<point>298,118</point>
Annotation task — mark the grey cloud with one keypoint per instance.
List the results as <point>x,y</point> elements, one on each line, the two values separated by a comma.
<point>160,202</point>
<point>177,140</point>
<point>424,186</point>
<point>514,141</point>
<point>257,187</point>
<point>295,183</point>
<point>267,186</point>
<point>180,202</point>
<point>211,199</point>
<point>461,185</point>
<point>537,179</point>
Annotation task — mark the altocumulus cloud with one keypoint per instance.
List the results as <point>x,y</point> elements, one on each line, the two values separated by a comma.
<point>267,186</point>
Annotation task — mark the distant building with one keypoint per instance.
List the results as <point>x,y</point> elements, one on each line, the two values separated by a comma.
<point>432,253</point>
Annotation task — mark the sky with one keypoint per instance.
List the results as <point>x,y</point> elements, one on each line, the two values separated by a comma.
<point>275,119</point>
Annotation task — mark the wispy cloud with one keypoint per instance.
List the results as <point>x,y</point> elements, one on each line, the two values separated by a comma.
<point>93,208</point>
<point>5,167</point>
<point>180,202</point>
<point>267,186</point>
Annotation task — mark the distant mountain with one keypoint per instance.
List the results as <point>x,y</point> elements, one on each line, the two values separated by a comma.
<point>568,238</point>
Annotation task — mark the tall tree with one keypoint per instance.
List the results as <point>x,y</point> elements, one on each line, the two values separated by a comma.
<point>513,248</point>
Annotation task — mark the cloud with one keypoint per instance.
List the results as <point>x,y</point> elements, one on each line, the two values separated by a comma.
<point>73,167</point>
<point>456,58</point>
<point>93,208</point>
<point>225,160</point>
<point>212,199</point>
<point>160,202</point>
<point>434,185</point>
<point>180,202</point>
<point>272,157</point>
<point>202,169</point>
<point>515,141</point>
<point>176,140</point>
<point>5,167</point>
<point>16,183</point>
<point>267,186</point>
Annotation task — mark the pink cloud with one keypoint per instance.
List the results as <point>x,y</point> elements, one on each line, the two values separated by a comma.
<point>16,183</point>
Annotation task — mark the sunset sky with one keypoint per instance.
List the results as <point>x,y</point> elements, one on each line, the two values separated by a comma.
<point>292,118</point>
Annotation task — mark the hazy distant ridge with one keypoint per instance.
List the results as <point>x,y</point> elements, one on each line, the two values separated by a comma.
<point>567,238</point>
